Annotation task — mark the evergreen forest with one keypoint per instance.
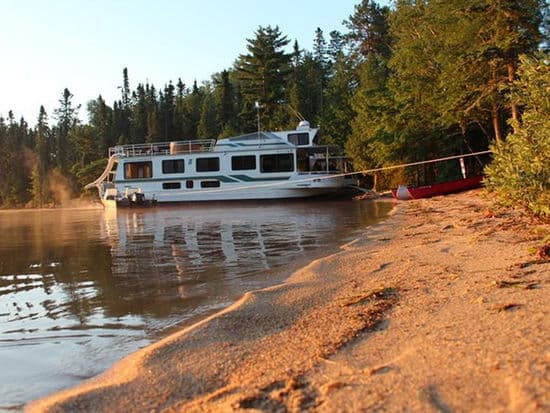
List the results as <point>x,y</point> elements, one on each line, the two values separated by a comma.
<point>419,80</point>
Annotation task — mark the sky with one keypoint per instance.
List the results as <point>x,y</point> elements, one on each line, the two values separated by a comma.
<point>83,45</point>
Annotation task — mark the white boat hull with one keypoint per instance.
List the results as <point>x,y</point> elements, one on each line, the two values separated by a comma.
<point>302,187</point>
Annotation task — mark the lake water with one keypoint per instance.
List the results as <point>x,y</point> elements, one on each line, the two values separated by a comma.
<point>81,288</point>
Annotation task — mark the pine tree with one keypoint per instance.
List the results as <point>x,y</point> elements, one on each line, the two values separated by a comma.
<point>100,118</point>
<point>123,112</point>
<point>335,47</point>
<point>166,112</point>
<point>319,71</point>
<point>371,143</point>
<point>224,101</point>
<point>368,30</point>
<point>39,190</point>
<point>320,48</point>
<point>125,89</point>
<point>118,124</point>
<point>337,110</point>
<point>139,113</point>
<point>263,74</point>
<point>305,91</point>
<point>180,113</point>
<point>295,86</point>
<point>192,104</point>
<point>66,116</point>
<point>207,128</point>
<point>152,109</point>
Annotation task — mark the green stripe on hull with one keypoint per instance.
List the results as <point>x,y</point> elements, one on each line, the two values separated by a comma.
<point>246,178</point>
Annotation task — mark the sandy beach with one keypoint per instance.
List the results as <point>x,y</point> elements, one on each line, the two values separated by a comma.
<point>444,307</point>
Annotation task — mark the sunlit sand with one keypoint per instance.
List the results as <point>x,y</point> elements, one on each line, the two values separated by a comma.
<point>443,307</point>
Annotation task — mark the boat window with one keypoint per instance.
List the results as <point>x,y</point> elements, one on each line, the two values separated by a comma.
<point>299,139</point>
<point>137,170</point>
<point>171,185</point>
<point>173,166</point>
<point>210,184</point>
<point>189,184</point>
<point>243,163</point>
<point>281,162</point>
<point>208,164</point>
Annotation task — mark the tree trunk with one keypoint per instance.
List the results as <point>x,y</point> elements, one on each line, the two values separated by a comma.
<point>375,182</point>
<point>495,114</point>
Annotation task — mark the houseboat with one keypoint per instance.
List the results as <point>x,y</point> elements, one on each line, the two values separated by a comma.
<point>259,165</point>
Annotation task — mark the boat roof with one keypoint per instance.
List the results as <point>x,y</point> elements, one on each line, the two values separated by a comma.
<point>278,139</point>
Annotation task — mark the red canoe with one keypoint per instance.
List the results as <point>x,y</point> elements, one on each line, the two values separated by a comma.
<point>403,192</point>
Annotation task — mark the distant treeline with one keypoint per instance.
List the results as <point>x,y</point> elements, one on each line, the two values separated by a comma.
<point>421,80</point>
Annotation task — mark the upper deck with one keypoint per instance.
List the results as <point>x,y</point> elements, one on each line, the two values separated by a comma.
<point>163,148</point>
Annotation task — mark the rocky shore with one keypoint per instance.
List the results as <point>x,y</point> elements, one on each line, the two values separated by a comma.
<point>443,307</point>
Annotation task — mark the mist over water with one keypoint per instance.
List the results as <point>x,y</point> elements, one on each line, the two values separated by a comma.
<point>81,288</point>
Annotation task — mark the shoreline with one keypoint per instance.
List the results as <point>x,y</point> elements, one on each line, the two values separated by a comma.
<point>439,307</point>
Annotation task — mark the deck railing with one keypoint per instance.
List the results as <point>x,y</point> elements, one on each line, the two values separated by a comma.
<point>163,148</point>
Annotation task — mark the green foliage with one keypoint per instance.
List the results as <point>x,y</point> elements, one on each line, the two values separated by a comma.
<point>337,110</point>
<point>477,49</point>
<point>89,172</point>
<point>39,194</point>
<point>306,87</point>
<point>85,144</point>
<point>15,162</point>
<point>371,143</point>
<point>520,172</point>
<point>443,88</point>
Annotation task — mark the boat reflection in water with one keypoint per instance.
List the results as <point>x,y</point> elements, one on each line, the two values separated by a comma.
<point>80,289</point>
<point>199,254</point>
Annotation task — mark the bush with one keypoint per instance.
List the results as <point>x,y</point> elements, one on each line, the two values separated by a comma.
<point>520,172</point>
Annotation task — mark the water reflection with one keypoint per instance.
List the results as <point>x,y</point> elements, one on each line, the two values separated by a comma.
<point>80,289</point>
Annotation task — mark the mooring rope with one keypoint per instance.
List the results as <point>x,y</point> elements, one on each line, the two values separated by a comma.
<point>324,176</point>
<point>447,158</point>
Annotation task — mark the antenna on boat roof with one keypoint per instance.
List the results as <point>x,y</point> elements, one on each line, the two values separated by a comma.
<point>296,113</point>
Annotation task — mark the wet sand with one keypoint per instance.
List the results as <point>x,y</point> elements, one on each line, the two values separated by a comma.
<point>443,307</point>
